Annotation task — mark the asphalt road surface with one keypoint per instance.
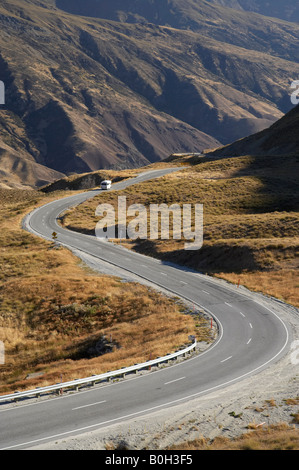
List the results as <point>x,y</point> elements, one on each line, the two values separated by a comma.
<point>251,337</point>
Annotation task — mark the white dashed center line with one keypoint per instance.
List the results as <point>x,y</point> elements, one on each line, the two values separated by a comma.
<point>226,359</point>
<point>91,404</point>
<point>176,380</point>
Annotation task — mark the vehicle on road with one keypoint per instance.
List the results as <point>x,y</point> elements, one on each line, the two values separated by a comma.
<point>106,184</point>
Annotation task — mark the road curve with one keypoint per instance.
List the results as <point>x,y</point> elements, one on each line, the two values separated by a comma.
<point>251,338</point>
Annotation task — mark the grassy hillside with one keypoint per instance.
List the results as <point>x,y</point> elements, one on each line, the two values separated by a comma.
<point>250,219</point>
<point>87,93</point>
<point>277,437</point>
<point>285,10</point>
<point>190,14</point>
<point>61,321</point>
<point>282,138</point>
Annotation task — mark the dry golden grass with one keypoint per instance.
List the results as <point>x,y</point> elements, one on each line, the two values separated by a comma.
<point>276,437</point>
<point>54,312</point>
<point>292,401</point>
<point>281,284</point>
<point>251,220</point>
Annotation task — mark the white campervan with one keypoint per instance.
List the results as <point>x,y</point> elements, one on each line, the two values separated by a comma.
<point>106,184</point>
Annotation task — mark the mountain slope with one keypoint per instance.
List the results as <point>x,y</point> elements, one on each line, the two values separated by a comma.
<point>241,28</point>
<point>286,10</point>
<point>89,93</point>
<point>282,138</point>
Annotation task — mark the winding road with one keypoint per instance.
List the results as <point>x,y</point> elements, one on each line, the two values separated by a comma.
<point>251,338</point>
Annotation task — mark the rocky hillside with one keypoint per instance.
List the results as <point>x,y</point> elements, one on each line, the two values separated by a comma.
<point>282,138</point>
<point>284,9</point>
<point>126,87</point>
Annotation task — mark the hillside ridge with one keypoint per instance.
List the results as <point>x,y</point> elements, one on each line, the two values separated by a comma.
<point>84,94</point>
<point>282,138</point>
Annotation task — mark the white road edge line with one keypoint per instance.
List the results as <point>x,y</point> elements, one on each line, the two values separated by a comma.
<point>188,397</point>
<point>135,378</point>
<point>163,405</point>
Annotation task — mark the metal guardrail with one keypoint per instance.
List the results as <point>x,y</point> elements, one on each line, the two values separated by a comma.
<point>96,378</point>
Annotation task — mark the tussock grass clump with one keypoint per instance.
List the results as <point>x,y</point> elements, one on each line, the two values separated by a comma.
<point>275,437</point>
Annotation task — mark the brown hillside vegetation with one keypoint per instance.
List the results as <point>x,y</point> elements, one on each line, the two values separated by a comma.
<point>66,321</point>
<point>250,219</point>
<point>276,437</point>
<point>87,93</point>
<point>282,138</point>
<point>286,10</point>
